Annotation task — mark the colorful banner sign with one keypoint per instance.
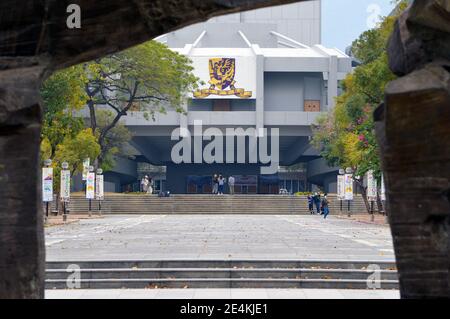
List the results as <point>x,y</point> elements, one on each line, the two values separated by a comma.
<point>65,185</point>
<point>382,189</point>
<point>86,164</point>
<point>371,186</point>
<point>90,186</point>
<point>99,184</point>
<point>341,187</point>
<point>348,184</point>
<point>47,184</point>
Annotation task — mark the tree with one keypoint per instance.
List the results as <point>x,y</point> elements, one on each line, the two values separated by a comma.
<point>148,77</point>
<point>62,95</point>
<point>346,136</point>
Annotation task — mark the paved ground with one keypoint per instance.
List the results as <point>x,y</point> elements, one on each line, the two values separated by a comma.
<point>218,237</point>
<point>221,294</point>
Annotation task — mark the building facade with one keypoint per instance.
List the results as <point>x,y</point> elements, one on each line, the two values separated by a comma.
<point>266,79</point>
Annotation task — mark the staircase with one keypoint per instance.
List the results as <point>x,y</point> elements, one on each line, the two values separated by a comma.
<point>220,274</point>
<point>207,204</point>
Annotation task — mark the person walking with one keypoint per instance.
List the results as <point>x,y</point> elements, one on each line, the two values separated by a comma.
<point>231,181</point>
<point>310,204</point>
<point>215,184</point>
<point>326,209</point>
<point>221,183</point>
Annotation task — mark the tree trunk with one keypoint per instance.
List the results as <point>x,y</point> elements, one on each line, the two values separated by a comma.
<point>22,251</point>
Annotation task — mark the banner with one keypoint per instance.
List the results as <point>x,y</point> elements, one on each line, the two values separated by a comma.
<point>348,184</point>
<point>65,185</point>
<point>90,186</point>
<point>371,186</point>
<point>86,164</point>
<point>340,187</point>
<point>47,184</point>
<point>382,190</point>
<point>99,194</point>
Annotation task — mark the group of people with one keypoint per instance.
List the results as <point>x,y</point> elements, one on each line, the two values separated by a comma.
<point>147,185</point>
<point>219,184</point>
<point>320,202</point>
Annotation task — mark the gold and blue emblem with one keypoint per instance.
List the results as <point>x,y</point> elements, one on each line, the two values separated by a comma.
<point>221,74</point>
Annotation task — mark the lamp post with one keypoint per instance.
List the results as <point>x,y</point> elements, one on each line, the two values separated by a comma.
<point>99,189</point>
<point>90,187</point>
<point>47,186</point>
<point>65,188</point>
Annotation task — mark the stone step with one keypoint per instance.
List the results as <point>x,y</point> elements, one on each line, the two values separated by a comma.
<point>221,283</point>
<point>171,273</point>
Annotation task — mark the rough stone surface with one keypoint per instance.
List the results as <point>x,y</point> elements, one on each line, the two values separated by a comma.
<point>413,132</point>
<point>34,41</point>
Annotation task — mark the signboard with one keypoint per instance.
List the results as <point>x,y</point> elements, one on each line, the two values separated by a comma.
<point>245,180</point>
<point>341,187</point>
<point>47,184</point>
<point>65,185</point>
<point>90,186</point>
<point>99,194</point>
<point>371,186</point>
<point>226,77</point>
<point>86,164</point>
<point>348,184</point>
<point>382,189</point>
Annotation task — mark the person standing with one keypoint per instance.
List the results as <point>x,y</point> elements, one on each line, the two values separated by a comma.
<point>145,184</point>
<point>150,186</point>
<point>326,209</point>
<point>142,184</point>
<point>215,184</point>
<point>231,184</point>
<point>316,199</point>
<point>221,183</point>
<point>310,204</point>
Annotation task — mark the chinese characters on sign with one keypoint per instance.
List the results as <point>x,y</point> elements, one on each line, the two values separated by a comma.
<point>341,187</point>
<point>371,186</point>
<point>65,185</point>
<point>99,194</point>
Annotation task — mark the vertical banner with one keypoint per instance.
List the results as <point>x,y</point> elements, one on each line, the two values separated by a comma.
<point>383,189</point>
<point>47,184</point>
<point>65,185</point>
<point>340,187</point>
<point>99,187</point>
<point>86,164</point>
<point>348,184</point>
<point>90,186</point>
<point>371,186</point>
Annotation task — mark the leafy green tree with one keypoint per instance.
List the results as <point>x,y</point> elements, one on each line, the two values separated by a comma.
<point>62,94</point>
<point>345,136</point>
<point>149,78</point>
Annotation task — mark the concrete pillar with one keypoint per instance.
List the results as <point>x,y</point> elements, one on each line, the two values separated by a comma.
<point>259,89</point>
<point>332,81</point>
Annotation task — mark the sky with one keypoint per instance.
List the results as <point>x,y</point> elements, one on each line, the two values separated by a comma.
<point>344,20</point>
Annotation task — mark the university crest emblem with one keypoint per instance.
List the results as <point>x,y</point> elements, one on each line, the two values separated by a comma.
<point>221,74</point>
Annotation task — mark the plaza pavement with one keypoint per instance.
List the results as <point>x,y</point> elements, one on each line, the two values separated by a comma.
<point>141,237</point>
<point>221,294</point>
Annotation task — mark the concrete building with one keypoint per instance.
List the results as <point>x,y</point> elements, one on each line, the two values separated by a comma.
<point>267,78</point>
